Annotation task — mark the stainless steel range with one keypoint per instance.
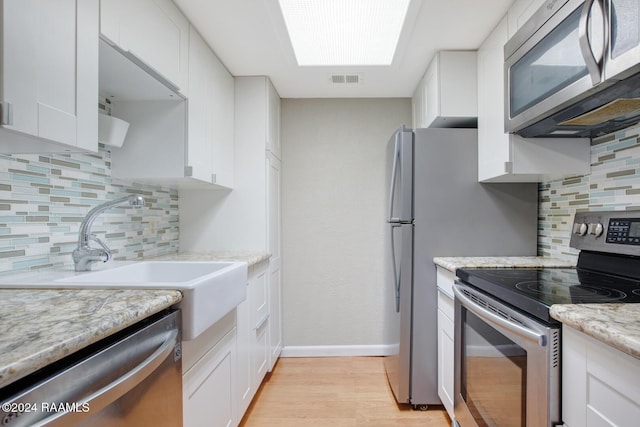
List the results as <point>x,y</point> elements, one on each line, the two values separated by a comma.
<point>507,344</point>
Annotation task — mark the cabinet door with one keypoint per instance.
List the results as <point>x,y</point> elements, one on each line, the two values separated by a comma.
<point>445,351</point>
<point>210,153</point>
<point>431,92</point>
<point>599,383</point>
<point>493,142</point>
<point>245,389</point>
<point>418,106</point>
<point>451,90</point>
<point>259,299</point>
<point>209,385</point>
<point>223,104</point>
<point>275,262</point>
<point>200,111</point>
<point>153,31</point>
<point>50,71</point>
<point>273,120</point>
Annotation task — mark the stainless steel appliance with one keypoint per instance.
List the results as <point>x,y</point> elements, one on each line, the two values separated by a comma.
<point>573,69</point>
<point>508,347</point>
<point>438,208</point>
<point>132,379</point>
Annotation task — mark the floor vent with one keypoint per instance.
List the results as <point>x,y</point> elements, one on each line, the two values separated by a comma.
<point>348,79</point>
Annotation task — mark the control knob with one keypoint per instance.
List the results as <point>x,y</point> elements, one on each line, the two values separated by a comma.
<point>596,229</point>
<point>581,229</point>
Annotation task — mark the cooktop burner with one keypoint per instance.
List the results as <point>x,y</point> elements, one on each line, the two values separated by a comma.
<point>534,290</point>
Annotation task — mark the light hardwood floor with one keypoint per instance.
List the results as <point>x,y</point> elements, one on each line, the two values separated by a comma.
<point>335,392</point>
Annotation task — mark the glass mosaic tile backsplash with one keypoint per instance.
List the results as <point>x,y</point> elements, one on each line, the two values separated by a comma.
<point>613,184</point>
<point>43,199</point>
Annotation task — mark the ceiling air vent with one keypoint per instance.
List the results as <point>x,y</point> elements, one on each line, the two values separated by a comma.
<point>346,79</point>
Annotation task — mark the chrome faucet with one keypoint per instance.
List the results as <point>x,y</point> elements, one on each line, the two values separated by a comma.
<point>84,255</point>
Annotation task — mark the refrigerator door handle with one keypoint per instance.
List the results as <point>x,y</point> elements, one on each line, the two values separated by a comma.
<point>394,176</point>
<point>396,270</point>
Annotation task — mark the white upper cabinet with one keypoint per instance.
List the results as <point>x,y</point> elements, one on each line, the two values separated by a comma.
<point>504,157</point>
<point>189,143</point>
<point>153,33</point>
<point>49,76</point>
<point>447,94</point>
<point>211,118</point>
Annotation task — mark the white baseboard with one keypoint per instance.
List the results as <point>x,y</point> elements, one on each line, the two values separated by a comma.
<point>337,350</point>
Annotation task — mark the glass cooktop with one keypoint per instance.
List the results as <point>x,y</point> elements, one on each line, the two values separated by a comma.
<point>534,290</point>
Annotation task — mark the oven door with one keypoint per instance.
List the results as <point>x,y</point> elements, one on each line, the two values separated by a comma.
<point>507,366</point>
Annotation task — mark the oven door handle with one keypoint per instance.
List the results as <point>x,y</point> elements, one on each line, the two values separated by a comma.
<point>487,315</point>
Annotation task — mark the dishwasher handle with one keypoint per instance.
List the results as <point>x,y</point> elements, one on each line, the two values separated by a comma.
<point>113,391</point>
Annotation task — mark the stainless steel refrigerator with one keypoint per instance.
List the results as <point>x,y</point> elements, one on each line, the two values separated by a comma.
<point>438,208</point>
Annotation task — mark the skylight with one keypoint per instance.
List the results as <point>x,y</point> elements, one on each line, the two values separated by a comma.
<point>344,32</point>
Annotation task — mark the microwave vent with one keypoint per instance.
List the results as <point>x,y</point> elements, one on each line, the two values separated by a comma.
<point>619,108</point>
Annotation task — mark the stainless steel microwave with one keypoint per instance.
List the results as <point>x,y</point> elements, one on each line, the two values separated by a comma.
<point>573,70</point>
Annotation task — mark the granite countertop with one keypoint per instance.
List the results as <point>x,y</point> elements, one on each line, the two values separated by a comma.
<point>613,324</point>
<point>40,326</point>
<point>453,263</point>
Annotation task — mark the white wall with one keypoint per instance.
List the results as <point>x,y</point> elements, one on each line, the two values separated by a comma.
<point>333,195</point>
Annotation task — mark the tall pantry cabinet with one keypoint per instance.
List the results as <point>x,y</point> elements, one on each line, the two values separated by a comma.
<point>257,214</point>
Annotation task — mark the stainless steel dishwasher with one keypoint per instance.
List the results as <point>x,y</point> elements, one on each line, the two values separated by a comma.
<point>133,378</point>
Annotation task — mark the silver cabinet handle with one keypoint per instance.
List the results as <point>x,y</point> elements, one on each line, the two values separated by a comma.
<point>497,320</point>
<point>111,392</point>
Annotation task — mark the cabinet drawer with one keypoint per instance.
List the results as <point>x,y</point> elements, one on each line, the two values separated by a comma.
<point>445,304</point>
<point>208,386</point>
<point>445,280</point>
<point>259,299</point>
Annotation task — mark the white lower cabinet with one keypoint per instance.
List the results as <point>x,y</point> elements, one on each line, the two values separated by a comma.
<point>208,387</point>
<point>445,351</point>
<point>209,366</point>
<point>599,383</point>
<point>253,337</point>
<point>445,280</point>
<point>225,365</point>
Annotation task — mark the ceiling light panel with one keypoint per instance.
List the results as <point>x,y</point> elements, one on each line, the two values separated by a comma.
<point>344,32</point>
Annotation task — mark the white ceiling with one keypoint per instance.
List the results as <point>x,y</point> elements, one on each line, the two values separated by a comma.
<point>250,38</point>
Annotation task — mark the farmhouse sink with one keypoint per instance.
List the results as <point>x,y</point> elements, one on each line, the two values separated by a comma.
<point>209,289</point>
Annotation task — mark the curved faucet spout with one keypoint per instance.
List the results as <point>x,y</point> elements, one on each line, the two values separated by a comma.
<point>84,255</point>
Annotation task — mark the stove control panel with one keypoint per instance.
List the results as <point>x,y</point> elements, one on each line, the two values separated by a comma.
<point>625,231</point>
<point>607,231</point>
